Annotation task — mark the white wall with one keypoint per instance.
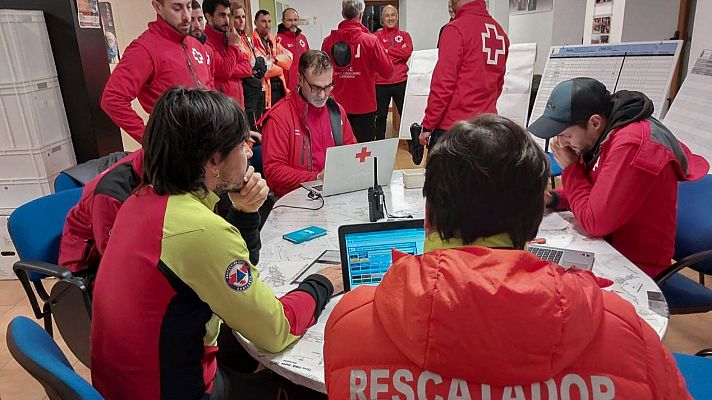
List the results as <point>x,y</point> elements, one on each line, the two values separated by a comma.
<point>328,13</point>
<point>424,20</point>
<point>534,28</point>
<point>568,27</point>
<point>647,20</point>
<point>702,31</point>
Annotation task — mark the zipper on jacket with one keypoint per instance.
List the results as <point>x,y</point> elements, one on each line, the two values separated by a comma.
<point>306,125</point>
<point>191,71</point>
<point>304,148</point>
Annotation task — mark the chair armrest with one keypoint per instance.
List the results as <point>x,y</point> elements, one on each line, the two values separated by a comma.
<point>704,353</point>
<point>43,268</point>
<point>684,263</point>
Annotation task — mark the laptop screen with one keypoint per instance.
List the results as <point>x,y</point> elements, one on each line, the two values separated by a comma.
<point>369,253</point>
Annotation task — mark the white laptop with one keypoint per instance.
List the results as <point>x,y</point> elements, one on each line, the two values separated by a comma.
<point>567,258</point>
<point>350,168</point>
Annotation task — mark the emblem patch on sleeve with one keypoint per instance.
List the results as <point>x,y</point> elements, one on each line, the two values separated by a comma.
<point>238,276</point>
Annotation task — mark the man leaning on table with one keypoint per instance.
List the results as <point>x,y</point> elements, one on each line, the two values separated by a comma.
<point>478,317</point>
<point>621,168</point>
<point>156,337</point>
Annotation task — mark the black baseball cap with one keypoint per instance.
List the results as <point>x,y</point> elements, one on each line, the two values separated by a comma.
<point>571,102</point>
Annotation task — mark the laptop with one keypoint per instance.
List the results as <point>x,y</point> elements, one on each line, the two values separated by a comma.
<point>350,168</point>
<point>567,258</point>
<point>366,249</point>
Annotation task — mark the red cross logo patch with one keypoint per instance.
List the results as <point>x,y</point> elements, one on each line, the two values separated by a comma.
<point>302,43</point>
<point>493,44</point>
<point>363,155</point>
<point>399,39</point>
<point>238,276</point>
<point>198,56</point>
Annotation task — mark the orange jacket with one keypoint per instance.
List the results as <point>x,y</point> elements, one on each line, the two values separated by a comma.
<point>278,59</point>
<point>482,323</point>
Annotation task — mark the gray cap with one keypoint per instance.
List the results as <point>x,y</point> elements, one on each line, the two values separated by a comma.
<point>571,102</point>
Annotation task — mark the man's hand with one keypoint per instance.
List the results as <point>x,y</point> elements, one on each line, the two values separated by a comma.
<point>423,138</point>
<point>335,276</point>
<point>253,193</point>
<point>564,155</point>
<point>320,175</point>
<point>548,198</point>
<point>256,136</point>
<point>232,37</point>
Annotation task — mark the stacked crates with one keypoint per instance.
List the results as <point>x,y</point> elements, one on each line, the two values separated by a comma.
<point>35,142</point>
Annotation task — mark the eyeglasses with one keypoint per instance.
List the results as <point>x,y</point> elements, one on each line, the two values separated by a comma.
<point>318,89</point>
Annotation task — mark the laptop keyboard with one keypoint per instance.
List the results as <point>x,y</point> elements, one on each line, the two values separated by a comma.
<point>546,254</point>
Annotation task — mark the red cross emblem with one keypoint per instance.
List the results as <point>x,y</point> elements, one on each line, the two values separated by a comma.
<point>301,43</point>
<point>493,44</point>
<point>363,155</point>
<point>399,39</point>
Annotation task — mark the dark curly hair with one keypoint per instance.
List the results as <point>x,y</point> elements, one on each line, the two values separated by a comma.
<point>485,177</point>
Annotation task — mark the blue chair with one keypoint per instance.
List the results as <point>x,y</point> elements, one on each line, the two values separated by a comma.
<point>36,351</point>
<point>693,249</point>
<point>697,371</point>
<point>35,229</point>
<point>554,168</point>
<point>256,160</point>
<point>65,182</point>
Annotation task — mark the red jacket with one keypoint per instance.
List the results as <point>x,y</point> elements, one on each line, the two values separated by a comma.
<point>629,194</point>
<point>159,59</point>
<point>469,75</point>
<point>479,323</point>
<point>297,44</point>
<point>355,84</point>
<point>88,226</point>
<point>399,47</point>
<point>229,65</point>
<point>286,140</point>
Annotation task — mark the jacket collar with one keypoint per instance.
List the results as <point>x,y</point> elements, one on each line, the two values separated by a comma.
<point>257,40</point>
<point>209,199</point>
<point>352,24</point>
<point>477,7</point>
<point>163,29</point>
<point>390,31</point>
<point>215,35</point>
<point>281,29</point>
<point>434,242</point>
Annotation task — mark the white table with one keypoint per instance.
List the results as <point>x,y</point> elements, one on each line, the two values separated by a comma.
<point>281,261</point>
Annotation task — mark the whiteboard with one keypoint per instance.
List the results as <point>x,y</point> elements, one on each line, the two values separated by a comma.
<point>645,67</point>
<point>690,116</point>
<point>513,103</point>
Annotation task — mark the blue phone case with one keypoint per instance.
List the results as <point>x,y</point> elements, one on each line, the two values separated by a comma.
<point>305,234</point>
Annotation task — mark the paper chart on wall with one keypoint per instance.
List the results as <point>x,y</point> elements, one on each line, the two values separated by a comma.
<point>689,116</point>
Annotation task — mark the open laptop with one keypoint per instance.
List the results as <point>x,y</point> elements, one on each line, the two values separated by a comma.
<point>567,258</point>
<point>350,168</point>
<point>366,249</point>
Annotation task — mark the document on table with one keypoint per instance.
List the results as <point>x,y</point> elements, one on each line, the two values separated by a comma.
<point>553,222</point>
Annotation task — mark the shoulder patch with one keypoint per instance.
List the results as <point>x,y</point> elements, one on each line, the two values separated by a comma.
<point>238,275</point>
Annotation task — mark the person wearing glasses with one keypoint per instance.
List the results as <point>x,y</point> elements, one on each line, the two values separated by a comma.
<point>297,131</point>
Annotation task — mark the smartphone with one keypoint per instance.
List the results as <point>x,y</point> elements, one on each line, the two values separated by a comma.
<point>304,235</point>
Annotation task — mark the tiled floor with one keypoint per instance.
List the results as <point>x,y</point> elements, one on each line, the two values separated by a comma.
<point>686,334</point>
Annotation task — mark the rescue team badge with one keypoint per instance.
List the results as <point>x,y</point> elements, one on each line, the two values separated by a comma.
<point>238,276</point>
<point>399,39</point>
<point>301,43</point>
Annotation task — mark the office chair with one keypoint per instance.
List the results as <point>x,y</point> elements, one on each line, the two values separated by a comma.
<point>697,371</point>
<point>554,168</point>
<point>35,350</point>
<point>693,249</point>
<point>35,229</point>
<point>65,182</point>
